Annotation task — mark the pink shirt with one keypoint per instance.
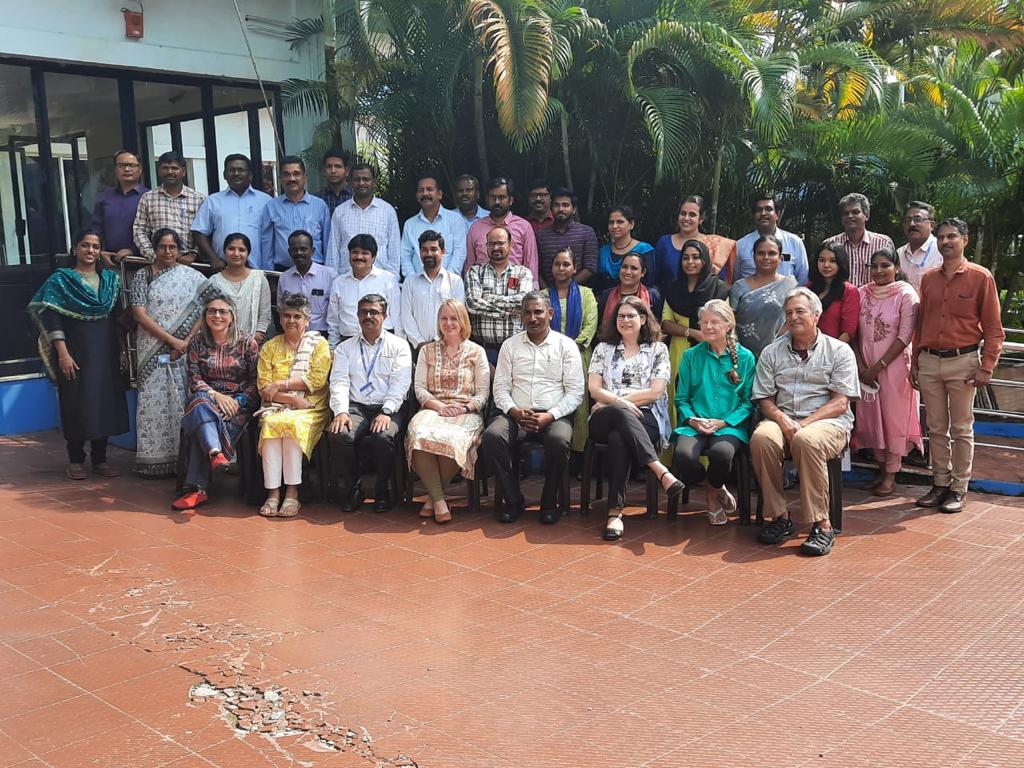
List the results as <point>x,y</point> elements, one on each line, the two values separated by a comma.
<point>524,243</point>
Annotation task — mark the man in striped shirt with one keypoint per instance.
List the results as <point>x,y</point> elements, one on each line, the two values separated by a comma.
<point>860,244</point>
<point>365,214</point>
<point>566,232</point>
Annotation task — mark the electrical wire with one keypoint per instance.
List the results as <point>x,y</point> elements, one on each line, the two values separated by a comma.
<point>245,36</point>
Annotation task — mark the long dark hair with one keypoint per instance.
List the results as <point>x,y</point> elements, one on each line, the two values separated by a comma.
<point>80,235</point>
<point>650,331</point>
<point>835,290</point>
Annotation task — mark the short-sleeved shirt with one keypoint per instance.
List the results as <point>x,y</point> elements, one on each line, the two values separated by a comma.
<point>801,386</point>
<point>792,246</point>
<point>860,253</point>
<point>622,376</point>
<point>581,238</point>
<point>315,285</point>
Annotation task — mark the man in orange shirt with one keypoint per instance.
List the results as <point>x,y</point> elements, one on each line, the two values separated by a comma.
<point>959,310</point>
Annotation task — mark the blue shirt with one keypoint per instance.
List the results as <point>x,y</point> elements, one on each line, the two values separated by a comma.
<point>481,213</point>
<point>281,217</point>
<point>792,246</point>
<point>453,229</point>
<point>226,212</point>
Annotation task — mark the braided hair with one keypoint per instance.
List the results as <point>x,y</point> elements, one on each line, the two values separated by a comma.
<point>724,312</point>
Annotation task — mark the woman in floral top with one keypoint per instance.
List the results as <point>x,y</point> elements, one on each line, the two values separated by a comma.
<point>629,374</point>
<point>221,363</point>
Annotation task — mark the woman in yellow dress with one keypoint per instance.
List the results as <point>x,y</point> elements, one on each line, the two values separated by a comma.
<point>292,376</point>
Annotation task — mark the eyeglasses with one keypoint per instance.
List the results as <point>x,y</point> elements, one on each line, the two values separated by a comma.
<point>217,311</point>
<point>369,312</point>
<point>628,316</point>
<point>125,166</point>
<point>916,219</point>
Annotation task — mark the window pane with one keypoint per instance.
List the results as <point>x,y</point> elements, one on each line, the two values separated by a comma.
<point>163,111</point>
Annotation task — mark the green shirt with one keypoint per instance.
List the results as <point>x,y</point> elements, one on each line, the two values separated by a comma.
<point>703,390</point>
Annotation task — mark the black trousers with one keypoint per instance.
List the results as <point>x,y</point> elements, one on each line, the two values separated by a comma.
<point>630,441</point>
<point>346,447</point>
<point>504,431</point>
<point>97,451</point>
<point>721,450</point>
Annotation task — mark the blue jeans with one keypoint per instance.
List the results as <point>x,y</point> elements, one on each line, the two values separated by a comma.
<point>204,439</point>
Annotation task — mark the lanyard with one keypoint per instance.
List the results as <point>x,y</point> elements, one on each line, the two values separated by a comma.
<point>373,363</point>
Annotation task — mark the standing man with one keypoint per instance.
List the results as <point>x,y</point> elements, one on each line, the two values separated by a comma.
<point>959,310</point>
<point>172,205</point>
<point>539,201</point>
<point>365,214</point>
<point>295,209</point>
<point>500,197</point>
<point>423,293</point>
<point>116,206</point>
<point>766,222</point>
<point>370,380</point>
<point>538,385</point>
<point>337,191</point>
<point>434,218</point>
<point>566,232</point>
<point>860,244</point>
<point>494,294</point>
<point>467,198</point>
<point>363,277</point>
<point>921,251</point>
<point>239,208</point>
<point>312,280</point>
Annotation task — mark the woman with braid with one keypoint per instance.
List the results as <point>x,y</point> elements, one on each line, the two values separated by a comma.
<point>714,407</point>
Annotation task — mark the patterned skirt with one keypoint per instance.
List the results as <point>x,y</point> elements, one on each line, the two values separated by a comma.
<point>456,437</point>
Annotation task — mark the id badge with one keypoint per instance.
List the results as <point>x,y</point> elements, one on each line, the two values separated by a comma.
<point>366,389</point>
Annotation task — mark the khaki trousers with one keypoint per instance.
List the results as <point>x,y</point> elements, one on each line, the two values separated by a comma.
<point>948,398</point>
<point>811,448</point>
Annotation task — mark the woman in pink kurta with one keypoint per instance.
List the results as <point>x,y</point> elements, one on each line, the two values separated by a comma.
<point>887,422</point>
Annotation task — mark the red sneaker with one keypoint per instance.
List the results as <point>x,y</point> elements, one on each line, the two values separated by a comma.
<point>218,462</point>
<point>190,500</point>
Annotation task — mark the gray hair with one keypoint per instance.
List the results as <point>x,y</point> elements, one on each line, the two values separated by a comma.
<point>855,198</point>
<point>541,296</point>
<point>298,302</point>
<point>210,296</point>
<point>812,299</point>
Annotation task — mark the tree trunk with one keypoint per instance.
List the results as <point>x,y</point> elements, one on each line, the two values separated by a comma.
<point>716,186</point>
<point>979,241</point>
<point>331,72</point>
<point>478,118</point>
<point>566,166</point>
<point>590,188</point>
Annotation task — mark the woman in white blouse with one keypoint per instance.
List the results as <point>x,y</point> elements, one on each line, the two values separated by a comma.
<point>629,373</point>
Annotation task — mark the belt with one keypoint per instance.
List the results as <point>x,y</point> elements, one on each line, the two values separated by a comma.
<point>951,352</point>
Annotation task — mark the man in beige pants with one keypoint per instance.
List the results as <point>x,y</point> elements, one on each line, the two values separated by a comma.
<point>803,385</point>
<point>959,311</point>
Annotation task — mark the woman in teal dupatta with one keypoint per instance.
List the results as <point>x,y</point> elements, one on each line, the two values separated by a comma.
<point>79,344</point>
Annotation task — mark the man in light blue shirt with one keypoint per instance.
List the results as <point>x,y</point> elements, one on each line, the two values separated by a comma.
<point>239,208</point>
<point>467,198</point>
<point>294,210</point>
<point>794,254</point>
<point>435,218</point>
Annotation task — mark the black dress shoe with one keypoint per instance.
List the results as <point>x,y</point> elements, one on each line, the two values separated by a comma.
<point>511,512</point>
<point>935,497</point>
<point>954,502</point>
<point>383,503</point>
<point>353,500</point>
<point>549,516</point>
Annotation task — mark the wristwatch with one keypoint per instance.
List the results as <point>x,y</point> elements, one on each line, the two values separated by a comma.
<point>387,412</point>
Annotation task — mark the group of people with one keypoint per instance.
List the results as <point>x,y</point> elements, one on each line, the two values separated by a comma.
<point>475,329</point>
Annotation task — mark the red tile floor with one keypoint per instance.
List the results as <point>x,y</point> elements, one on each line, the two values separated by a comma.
<point>134,636</point>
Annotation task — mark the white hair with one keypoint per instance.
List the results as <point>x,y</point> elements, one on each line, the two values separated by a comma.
<point>812,299</point>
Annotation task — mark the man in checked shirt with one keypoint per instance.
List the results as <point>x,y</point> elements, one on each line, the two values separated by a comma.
<point>494,294</point>
<point>172,205</point>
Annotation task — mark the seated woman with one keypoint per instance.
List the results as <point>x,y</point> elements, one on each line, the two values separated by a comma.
<point>889,422</point>
<point>452,385</point>
<point>165,304</point>
<point>292,377</point>
<point>247,288</point>
<point>611,255</point>
<point>696,285</point>
<point>840,299</point>
<point>714,407</point>
<point>81,348</point>
<point>668,249</point>
<point>627,381</point>
<point>221,363</point>
<point>757,300</point>
<point>632,272</point>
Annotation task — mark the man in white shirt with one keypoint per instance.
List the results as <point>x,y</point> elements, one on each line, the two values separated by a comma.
<point>538,384</point>
<point>423,294</point>
<point>370,379</point>
<point>365,214</point>
<point>363,277</point>
<point>766,220</point>
<point>921,251</point>
<point>433,216</point>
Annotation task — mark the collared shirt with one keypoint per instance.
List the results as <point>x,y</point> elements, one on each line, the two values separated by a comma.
<point>495,301</point>
<point>481,213</point>
<point>226,212</point>
<point>524,243</point>
<point>345,295</point>
<point>157,210</point>
<point>860,253</point>
<point>371,374</point>
<point>114,215</point>
<point>453,229</point>
<point>314,285</point>
<point>800,387</point>
<point>581,238</point>
<point>960,312</point>
<point>378,219</point>
<point>281,217</point>
<point>543,377</point>
<point>914,264</point>
<point>421,300</point>
<point>543,223</point>
<point>334,200</point>
<point>792,246</point>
